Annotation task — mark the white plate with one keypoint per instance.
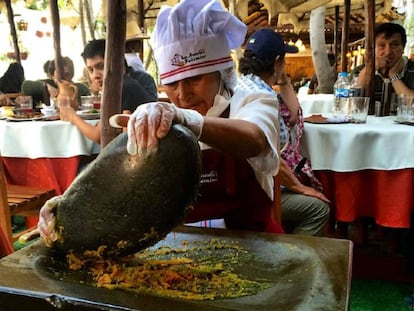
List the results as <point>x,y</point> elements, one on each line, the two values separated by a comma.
<point>14,119</point>
<point>89,115</point>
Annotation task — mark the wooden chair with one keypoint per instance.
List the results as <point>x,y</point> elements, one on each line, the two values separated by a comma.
<point>19,200</point>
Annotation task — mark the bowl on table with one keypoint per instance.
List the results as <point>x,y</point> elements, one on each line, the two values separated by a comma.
<point>49,111</point>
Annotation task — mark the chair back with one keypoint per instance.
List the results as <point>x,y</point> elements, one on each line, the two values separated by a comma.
<point>19,200</point>
<point>5,217</point>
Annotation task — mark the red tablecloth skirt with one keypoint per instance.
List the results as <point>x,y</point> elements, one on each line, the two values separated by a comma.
<point>387,196</point>
<point>56,173</point>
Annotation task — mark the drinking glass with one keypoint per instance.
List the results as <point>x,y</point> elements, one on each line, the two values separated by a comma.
<point>359,108</point>
<point>405,108</point>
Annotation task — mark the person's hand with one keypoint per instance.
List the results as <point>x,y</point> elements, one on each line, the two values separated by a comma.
<point>66,112</point>
<point>294,116</point>
<point>397,68</point>
<point>311,192</point>
<point>4,100</point>
<point>47,221</point>
<point>151,122</point>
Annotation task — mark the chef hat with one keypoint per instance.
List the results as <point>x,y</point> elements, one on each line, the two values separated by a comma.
<point>195,37</point>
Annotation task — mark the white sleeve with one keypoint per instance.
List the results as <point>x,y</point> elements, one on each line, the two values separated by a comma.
<point>261,109</point>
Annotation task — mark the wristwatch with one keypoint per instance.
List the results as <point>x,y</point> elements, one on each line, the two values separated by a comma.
<point>395,77</point>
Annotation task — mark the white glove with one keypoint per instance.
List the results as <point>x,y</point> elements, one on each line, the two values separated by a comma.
<point>152,121</point>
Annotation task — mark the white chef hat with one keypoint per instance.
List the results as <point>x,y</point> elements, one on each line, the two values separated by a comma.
<point>195,37</point>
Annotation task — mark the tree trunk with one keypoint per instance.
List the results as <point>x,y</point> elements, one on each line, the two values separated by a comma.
<point>370,54</point>
<point>82,21</point>
<point>10,16</point>
<point>409,26</point>
<point>54,13</point>
<point>114,68</point>
<point>89,14</point>
<point>326,78</point>
<point>345,35</point>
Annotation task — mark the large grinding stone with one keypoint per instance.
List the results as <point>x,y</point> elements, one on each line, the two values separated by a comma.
<point>130,202</point>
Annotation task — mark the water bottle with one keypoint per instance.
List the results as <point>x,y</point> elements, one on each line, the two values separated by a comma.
<point>355,90</point>
<point>341,90</point>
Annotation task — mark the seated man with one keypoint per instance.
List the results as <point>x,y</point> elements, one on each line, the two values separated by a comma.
<point>133,94</point>
<point>41,90</point>
<point>136,69</point>
<point>391,67</point>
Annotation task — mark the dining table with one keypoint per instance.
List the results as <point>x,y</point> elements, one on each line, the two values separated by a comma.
<point>367,170</point>
<point>43,153</point>
<point>316,103</point>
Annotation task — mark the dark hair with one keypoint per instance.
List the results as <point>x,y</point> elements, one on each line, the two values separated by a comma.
<point>388,29</point>
<point>46,67</point>
<point>11,81</point>
<point>250,64</point>
<point>94,48</point>
<point>66,62</point>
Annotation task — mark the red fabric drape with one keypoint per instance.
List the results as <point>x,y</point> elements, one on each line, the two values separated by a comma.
<point>387,196</point>
<point>57,173</point>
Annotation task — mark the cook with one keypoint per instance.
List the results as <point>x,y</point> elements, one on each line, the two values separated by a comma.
<point>236,123</point>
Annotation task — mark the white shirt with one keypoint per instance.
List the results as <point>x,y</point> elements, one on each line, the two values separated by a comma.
<point>258,106</point>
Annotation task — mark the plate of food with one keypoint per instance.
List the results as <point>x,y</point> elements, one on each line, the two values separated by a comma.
<point>6,111</point>
<point>406,122</point>
<point>89,114</point>
<point>25,116</point>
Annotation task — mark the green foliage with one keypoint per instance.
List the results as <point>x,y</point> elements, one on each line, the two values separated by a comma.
<point>44,4</point>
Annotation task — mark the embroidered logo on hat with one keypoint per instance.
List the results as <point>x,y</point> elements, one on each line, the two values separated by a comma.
<point>181,60</point>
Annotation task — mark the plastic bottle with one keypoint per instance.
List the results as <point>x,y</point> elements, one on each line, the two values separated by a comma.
<point>355,90</point>
<point>341,86</point>
<point>341,90</point>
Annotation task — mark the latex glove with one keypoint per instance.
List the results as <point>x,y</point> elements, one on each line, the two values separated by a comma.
<point>152,121</point>
<point>47,221</point>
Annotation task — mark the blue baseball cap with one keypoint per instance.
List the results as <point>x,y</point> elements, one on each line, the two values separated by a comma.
<point>266,43</point>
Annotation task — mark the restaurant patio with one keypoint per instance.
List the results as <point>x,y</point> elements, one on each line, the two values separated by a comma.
<point>359,165</point>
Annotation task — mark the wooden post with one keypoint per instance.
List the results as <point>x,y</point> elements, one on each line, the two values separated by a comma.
<point>10,16</point>
<point>141,25</point>
<point>336,36</point>
<point>370,53</point>
<point>114,68</point>
<point>54,12</point>
<point>345,35</point>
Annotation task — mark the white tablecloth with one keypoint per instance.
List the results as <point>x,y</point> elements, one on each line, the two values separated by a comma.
<point>316,103</point>
<point>39,139</point>
<point>379,144</point>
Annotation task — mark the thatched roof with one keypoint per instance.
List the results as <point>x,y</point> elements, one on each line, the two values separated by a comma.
<point>291,17</point>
